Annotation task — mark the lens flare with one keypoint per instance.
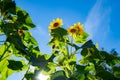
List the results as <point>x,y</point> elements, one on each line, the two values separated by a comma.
<point>42,76</point>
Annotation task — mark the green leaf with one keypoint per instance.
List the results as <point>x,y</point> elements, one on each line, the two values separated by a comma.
<point>33,41</point>
<point>4,70</point>
<point>35,51</point>
<point>83,61</point>
<point>116,71</point>
<point>29,76</point>
<point>9,29</point>
<point>88,44</point>
<point>79,77</point>
<point>84,52</point>
<point>58,75</point>
<point>5,73</point>
<point>5,51</point>
<point>90,67</point>
<point>29,22</point>
<point>91,77</point>
<point>24,19</point>
<point>16,40</point>
<point>61,59</point>
<point>81,38</point>
<point>39,61</point>
<point>8,6</point>
<point>80,69</point>
<point>2,49</point>
<point>52,67</point>
<point>0,28</point>
<point>110,59</point>
<point>29,39</point>
<point>3,64</point>
<point>103,74</point>
<point>15,65</point>
<point>72,57</point>
<point>58,35</point>
<point>59,32</point>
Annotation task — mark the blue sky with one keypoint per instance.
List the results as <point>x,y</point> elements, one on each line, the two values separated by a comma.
<point>100,19</point>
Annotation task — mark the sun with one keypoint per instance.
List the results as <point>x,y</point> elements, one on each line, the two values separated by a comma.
<point>42,76</point>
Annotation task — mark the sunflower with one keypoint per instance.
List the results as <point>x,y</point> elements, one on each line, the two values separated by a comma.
<point>79,28</point>
<point>72,31</point>
<point>20,32</point>
<point>55,23</point>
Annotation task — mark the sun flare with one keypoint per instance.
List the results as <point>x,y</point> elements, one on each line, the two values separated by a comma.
<point>42,76</point>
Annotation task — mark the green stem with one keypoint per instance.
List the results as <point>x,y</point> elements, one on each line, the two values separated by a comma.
<point>5,57</point>
<point>27,70</point>
<point>4,52</point>
<point>67,49</point>
<point>71,46</point>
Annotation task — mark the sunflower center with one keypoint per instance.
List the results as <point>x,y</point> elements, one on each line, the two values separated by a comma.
<point>56,24</point>
<point>21,31</point>
<point>73,30</point>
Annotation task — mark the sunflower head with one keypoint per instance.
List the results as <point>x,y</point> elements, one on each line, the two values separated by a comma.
<point>20,32</point>
<point>79,28</point>
<point>72,30</point>
<point>55,23</point>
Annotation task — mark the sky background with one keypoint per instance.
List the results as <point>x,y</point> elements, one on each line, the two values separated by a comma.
<point>100,19</point>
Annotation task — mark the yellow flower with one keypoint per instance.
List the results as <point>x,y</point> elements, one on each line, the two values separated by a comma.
<point>55,23</point>
<point>20,32</point>
<point>72,31</point>
<point>79,28</point>
<point>96,45</point>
